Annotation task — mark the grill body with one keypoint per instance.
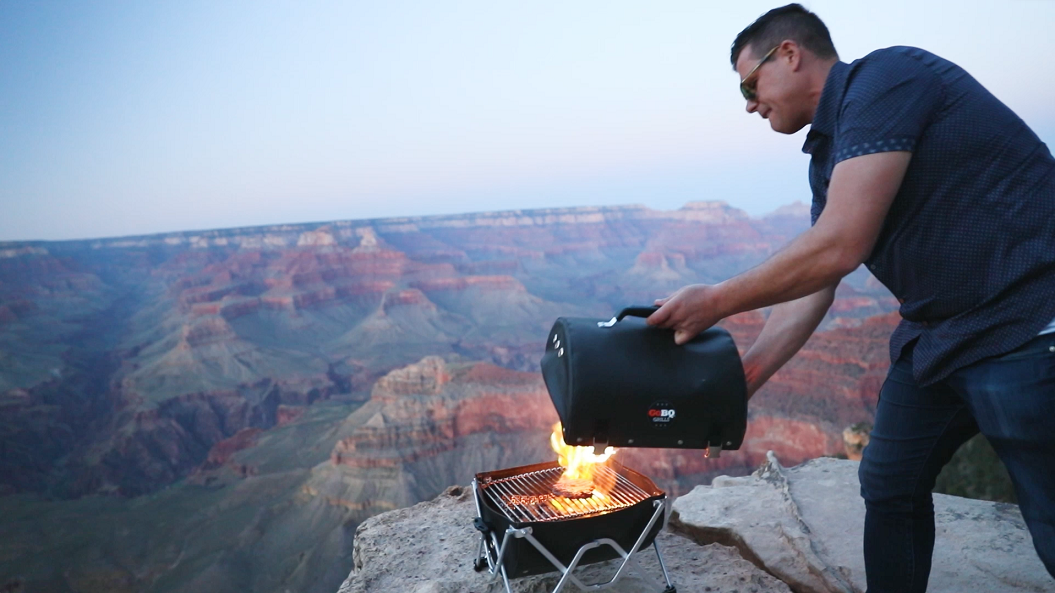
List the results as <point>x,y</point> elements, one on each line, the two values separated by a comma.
<point>627,384</point>
<point>521,497</point>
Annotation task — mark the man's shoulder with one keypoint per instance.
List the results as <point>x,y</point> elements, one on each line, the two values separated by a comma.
<point>902,59</point>
<point>898,65</point>
<point>894,57</point>
<point>898,52</point>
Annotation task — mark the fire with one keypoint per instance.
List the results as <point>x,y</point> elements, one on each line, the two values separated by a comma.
<point>579,462</point>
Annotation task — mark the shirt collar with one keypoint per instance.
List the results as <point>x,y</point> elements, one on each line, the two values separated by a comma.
<point>828,106</point>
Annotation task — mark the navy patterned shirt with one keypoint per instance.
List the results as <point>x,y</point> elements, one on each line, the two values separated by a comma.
<point>968,246</point>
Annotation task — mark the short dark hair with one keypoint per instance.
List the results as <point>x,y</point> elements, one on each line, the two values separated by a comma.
<point>787,22</point>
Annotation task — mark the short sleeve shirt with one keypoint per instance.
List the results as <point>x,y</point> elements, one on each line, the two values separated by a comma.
<point>968,246</point>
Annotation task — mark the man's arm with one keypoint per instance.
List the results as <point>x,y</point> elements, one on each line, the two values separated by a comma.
<point>859,196</point>
<point>788,327</point>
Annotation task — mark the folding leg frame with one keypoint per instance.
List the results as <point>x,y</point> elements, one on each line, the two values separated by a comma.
<point>491,551</point>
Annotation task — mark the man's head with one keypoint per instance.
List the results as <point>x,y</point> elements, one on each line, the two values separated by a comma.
<point>783,59</point>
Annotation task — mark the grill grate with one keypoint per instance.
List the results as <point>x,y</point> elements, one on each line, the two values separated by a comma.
<point>529,496</point>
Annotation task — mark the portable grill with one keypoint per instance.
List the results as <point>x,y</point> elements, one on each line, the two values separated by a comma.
<point>526,529</point>
<point>624,383</point>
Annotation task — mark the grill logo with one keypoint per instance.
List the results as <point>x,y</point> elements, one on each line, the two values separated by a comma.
<point>661,414</point>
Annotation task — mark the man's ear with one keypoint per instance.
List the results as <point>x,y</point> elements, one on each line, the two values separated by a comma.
<point>792,53</point>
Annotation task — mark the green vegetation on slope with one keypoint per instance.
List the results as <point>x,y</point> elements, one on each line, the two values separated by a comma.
<point>975,471</point>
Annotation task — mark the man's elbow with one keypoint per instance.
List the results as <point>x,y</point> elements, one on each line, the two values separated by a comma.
<point>848,264</point>
<point>840,248</point>
<point>841,259</point>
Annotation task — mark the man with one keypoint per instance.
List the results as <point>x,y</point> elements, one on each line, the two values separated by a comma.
<point>949,198</point>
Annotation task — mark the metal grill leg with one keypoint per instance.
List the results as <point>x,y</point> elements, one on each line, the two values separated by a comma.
<point>484,561</point>
<point>666,576</point>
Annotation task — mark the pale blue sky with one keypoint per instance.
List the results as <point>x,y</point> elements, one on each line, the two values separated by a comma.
<point>122,118</point>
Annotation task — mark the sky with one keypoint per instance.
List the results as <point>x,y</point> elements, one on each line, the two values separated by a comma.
<point>130,118</point>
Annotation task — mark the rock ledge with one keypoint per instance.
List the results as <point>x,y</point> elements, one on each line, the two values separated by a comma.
<point>429,548</point>
<point>804,526</point>
<point>778,530</point>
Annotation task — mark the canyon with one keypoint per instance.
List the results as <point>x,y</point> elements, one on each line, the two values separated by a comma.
<point>222,409</point>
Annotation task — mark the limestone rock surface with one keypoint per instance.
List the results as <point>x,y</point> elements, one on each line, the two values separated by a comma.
<point>804,525</point>
<point>429,548</point>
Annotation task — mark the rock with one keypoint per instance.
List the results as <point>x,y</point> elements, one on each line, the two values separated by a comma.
<point>430,548</point>
<point>855,438</point>
<point>804,526</point>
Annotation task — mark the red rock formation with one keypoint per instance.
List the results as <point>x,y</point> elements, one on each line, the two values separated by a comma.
<point>424,409</point>
<point>836,376</point>
<point>222,451</point>
<point>423,378</point>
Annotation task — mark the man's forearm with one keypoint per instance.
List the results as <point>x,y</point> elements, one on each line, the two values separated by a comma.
<point>815,260</point>
<point>859,196</point>
<point>787,329</point>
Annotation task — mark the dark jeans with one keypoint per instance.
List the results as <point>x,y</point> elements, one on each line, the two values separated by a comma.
<point>1011,400</point>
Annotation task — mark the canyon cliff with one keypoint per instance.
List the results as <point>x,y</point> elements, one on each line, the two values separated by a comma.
<point>286,382</point>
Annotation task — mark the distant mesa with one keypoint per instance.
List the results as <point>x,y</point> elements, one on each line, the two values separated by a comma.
<point>799,210</point>
<point>712,211</point>
<point>368,242</point>
<point>25,251</point>
<point>317,238</point>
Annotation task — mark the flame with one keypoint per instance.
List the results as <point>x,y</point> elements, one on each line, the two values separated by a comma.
<point>579,462</point>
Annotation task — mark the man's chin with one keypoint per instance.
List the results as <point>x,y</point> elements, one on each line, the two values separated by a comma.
<point>783,127</point>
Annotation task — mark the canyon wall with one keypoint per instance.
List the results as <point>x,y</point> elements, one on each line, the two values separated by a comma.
<point>286,382</point>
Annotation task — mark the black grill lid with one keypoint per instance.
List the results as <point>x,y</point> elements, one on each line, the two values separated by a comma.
<point>622,382</point>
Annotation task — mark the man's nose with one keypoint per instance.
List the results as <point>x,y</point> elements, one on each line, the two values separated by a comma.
<point>752,106</point>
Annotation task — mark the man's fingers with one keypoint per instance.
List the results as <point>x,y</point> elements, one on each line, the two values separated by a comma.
<point>681,336</point>
<point>679,312</point>
<point>659,317</point>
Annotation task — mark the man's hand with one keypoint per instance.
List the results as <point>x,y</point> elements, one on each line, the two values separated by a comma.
<point>688,312</point>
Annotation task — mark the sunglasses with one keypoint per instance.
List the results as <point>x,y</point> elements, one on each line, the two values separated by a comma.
<point>749,91</point>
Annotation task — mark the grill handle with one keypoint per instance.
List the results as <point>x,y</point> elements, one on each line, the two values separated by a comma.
<point>636,311</point>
